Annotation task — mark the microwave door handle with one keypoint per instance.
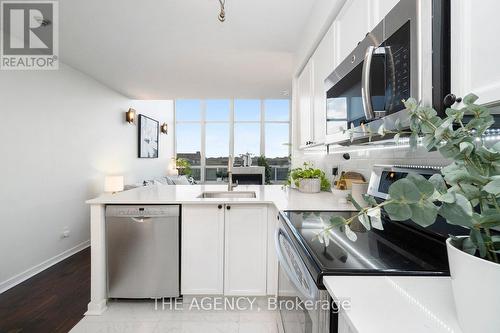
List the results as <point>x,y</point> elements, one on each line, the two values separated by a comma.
<point>365,84</point>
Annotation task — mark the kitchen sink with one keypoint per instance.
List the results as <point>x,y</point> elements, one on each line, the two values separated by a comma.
<point>227,194</point>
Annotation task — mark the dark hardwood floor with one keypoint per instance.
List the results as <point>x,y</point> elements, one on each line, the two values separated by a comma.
<point>52,301</point>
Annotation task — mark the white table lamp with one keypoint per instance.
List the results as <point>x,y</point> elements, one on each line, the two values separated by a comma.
<point>113,184</point>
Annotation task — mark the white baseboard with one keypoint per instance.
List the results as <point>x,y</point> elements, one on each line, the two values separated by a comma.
<point>17,279</point>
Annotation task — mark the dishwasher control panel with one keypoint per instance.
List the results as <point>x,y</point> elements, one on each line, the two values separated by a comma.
<point>142,210</point>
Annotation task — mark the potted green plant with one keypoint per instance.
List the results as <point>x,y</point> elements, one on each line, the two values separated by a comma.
<point>466,193</point>
<point>308,179</point>
<point>183,166</point>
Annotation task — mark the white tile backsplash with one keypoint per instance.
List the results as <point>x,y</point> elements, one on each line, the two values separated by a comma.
<point>362,161</point>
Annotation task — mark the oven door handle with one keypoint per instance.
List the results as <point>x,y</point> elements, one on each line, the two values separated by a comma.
<point>365,84</point>
<point>281,259</point>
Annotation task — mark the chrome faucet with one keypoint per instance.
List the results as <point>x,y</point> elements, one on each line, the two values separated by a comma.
<point>230,184</point>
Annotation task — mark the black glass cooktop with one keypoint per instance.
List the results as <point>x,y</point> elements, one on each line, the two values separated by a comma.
<point>397,250</point>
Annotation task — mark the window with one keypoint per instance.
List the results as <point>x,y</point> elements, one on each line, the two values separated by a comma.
<point>217,144</point>
<point>277,109</point>
<point>247,110</point>
<point>277,134</point>
<point>208,131</point>
<point>218,110</point>
<point>246,141</point>
<point>188,110</point>
<point>189,142</point>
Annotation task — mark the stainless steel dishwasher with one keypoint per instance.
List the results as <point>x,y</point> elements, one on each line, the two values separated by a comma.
<point>143,250</point>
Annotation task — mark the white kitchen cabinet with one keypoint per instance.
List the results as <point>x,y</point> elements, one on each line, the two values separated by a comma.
<point>202,250</point>
<point>305,103</point>
<point>245,260</point>
<point>354,21</point>
<point>474,49</point>
<point>324,64</point>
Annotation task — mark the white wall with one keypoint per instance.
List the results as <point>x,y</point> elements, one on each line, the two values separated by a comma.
<point>61,133</point>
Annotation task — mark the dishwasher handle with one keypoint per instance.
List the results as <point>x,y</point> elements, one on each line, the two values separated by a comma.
<point>140,219</point>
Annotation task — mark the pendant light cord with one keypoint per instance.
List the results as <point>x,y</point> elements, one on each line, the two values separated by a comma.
<point>222,14</point>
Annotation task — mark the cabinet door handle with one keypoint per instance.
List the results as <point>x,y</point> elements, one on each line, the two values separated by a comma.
<point>228,207</point>
<point>219,206</point>
<point>451,99</point>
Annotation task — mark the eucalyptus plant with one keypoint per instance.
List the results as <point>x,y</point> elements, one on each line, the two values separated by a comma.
<point>466,193</point>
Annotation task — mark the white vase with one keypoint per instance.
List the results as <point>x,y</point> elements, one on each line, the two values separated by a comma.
<point>476,289</point>
<point>310,185</point>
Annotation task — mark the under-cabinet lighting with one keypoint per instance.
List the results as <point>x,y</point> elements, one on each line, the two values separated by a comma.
<point>403,143</point>
<point>492,134</point>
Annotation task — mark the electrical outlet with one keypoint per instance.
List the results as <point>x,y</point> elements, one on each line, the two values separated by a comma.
<point>65,233</point>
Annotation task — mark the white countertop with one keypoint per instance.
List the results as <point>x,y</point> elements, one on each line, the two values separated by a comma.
<point>396,304</point>
<point>282,198</point>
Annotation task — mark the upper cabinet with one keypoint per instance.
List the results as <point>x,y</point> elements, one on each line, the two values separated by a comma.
<point>324,63</point>
<point>474,51</point>
<point>311,96</point>
<point>354,21</point>
<point>305,103</point>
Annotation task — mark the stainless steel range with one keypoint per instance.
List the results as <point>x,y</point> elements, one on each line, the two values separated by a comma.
<point>402,248</point>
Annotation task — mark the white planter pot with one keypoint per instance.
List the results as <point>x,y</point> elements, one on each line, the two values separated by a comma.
<point>476,289</point>
<point>310,185</point>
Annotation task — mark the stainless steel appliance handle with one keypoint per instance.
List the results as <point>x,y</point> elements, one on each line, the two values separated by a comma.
<point>281,259</point>
<point>365,84</point>
<point>140,219</point>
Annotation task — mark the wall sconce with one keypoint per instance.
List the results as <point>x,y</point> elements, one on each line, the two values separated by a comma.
<point>164,128</point>
<point>130,116</point>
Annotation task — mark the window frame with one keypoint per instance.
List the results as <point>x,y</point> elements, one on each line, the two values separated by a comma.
<point>231,121</point>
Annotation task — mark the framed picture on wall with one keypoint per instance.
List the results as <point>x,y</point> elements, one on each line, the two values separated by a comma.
<point>148,137</point>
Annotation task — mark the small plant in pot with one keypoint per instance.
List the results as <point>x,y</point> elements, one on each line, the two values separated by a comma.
<point>308,179</point>
<point>466,193</point>
<point>183,166</point>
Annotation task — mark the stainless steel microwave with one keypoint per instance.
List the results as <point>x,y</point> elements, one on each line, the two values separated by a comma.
<point>404,56</point>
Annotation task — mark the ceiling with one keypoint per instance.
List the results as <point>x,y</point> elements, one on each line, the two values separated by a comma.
<point>163,49</point>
